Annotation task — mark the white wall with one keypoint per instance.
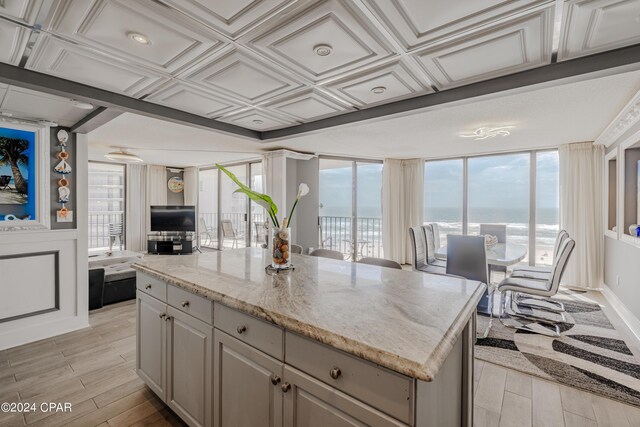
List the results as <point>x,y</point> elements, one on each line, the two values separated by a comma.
<point>622,259</point>
<point>34,289</point>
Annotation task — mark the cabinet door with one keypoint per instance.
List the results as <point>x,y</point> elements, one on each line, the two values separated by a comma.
<point>190,347</point>
<point>247,385</point>
<point>151,342</point>
<point>311,403</point>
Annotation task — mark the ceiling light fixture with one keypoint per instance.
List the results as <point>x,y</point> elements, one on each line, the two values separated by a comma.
<point>139,38</point>
<point>123,155</point>
<point>82,105</point>
<point>487,132</point>
<point>379,90</point>
<point>258,122</point>
<point>322,50</point>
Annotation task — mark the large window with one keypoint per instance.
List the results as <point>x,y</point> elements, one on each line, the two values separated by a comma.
<point>106,205</point>
<point>351,207</point>
<point>519,190</point>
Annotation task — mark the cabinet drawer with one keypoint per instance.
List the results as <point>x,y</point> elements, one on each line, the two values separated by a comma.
<point>152,286</point>
<point>190,303</point>
<point>374,385</point>
<point>255,332</point>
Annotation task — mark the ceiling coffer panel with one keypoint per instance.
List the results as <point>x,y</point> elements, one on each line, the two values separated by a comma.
<point>307,106</point>
<point>193,99</point>
<point>240,77</point>
<point>13,40</point>
<point>592,26</point>
<point>418,23</point>
<point>257,119</point>
<point>381,85</point>
<point>514,46</point>
<point>24,11</point>
<point>325,41</point>
<point>142,31</point>
<point>72,62</point>
<point>231,18</point>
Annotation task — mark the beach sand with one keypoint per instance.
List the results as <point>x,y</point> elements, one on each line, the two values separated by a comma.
<point>10,197</point>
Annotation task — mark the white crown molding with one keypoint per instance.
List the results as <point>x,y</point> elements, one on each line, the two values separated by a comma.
<point>629,116</point>
<point>289,154</point>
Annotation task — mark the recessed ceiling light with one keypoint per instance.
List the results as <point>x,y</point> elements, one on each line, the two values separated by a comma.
<point>48,123</point>
<point>123,155</point>
<point>82,105</point>
<point>139,38</point>
<point>322,50</point>
<point>378,90</point>
<point>258,122</point>
<point>487,132</point>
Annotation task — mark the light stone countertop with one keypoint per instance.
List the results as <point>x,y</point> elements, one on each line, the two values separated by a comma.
<point>403,320</point>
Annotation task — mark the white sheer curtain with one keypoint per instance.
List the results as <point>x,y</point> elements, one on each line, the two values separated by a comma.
<point>136,211</point>
<point>402,205</point>
<point>156,189</point>
<point>581,178</point>
<point>190,186</point>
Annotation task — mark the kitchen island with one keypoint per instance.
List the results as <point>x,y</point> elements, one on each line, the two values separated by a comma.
<point>331,343</point>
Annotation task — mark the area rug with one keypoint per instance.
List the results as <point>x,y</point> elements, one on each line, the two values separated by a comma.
<point>590,354</point>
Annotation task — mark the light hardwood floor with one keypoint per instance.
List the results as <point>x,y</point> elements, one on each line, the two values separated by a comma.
<point>93,369</point>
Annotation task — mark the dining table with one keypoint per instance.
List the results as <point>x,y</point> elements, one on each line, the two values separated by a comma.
<point>501,254</point>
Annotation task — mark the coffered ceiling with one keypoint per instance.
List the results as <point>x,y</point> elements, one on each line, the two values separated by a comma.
<point>273,64</point>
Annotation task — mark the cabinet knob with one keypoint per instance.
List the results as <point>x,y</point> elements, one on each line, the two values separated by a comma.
<point>163,315</point>
<point>185,303</point>
<point>286,387</point>
<point>335,372</point>
<point>275,379</point>
<point>147,286</point>
<point>241,329</point>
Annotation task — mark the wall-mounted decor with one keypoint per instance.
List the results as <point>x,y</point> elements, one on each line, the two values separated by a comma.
<point>63,168</point>
<point>22,169</point>
<point>175,184</point>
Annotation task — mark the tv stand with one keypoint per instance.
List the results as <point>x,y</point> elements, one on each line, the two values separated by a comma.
<point>170,242</point>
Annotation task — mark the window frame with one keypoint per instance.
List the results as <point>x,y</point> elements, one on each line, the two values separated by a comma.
<point>533,159</point>
<point>124,200</point>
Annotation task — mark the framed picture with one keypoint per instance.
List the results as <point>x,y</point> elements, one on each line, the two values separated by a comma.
<point>24,186</point>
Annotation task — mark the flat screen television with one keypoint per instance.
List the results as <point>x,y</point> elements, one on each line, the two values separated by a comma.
<point>173,218</point>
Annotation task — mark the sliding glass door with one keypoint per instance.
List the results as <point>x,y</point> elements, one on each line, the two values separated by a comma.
<point>519,190</point>
<point>351,207</point>
<point>226,219</point>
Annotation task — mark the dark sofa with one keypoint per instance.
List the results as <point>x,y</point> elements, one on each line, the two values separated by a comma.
<point>111,280</point>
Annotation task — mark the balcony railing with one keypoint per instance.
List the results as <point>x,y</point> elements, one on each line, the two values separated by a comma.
<point>208,229</point>
<point>99,228</point>
<point>336,234</point>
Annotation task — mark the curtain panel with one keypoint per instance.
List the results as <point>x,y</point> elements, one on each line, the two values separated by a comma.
<point>581,178</point>
<point>156,189</point>
<point>402,206</point>
<point>190,176</point>
<point>136,208</point>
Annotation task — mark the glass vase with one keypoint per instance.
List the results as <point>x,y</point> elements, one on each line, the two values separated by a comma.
<point>280,255</point>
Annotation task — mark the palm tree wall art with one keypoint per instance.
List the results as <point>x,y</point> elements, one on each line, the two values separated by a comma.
<point>13,153</point>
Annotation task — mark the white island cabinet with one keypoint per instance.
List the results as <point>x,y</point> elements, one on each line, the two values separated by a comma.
<point>330,343</point>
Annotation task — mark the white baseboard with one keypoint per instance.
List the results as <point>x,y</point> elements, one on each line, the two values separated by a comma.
<point>632,322</point>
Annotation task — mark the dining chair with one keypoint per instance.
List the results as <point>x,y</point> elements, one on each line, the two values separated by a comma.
<point>295,249</point>
<point>327,253</point>
<point>541,272</point>
<point>429,235</point>
<point>540,288</point>
<point>500,231</point>
<point>419,253</point>
<point>467,257</point>
<point>381,262</point>
<point>436,237</point>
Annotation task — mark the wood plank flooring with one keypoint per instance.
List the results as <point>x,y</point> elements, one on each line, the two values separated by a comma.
<point>94,370</point>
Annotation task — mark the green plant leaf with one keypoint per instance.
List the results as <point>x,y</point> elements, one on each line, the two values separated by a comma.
<point>262,199</point>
